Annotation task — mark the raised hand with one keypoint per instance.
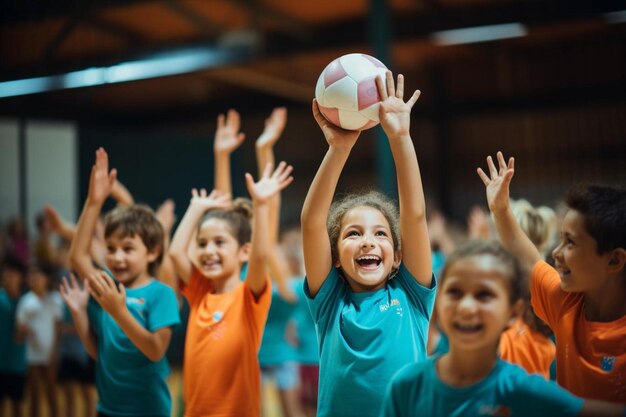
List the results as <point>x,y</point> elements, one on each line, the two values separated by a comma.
<point>75,296</point>
<point>166,216</point>
<point>102,180</point>
<point>53,216</point>
<point>274,126</point>
<point>497,182</point>
<point>335,136</point>
<point>394,113</point>
<point>270,183</point>
<point>216,199</point>
<point>227,136</point>
<point>111,297</point>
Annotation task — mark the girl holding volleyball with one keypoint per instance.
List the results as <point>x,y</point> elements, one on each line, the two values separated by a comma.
<point>369,281</point>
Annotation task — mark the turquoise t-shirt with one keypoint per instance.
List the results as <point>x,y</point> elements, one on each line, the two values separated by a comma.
<point>307,350</point>
<point>128,382</point>
<point>365,338</point>
<point>275,349</point>
<point>508,391</point>
<point>12,354</point>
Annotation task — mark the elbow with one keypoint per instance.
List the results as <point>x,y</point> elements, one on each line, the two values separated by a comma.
<point>156,354</point>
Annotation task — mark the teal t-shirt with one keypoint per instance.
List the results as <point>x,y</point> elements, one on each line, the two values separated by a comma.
<point>12,354</point>
<point>508,391</point>
<point>275,350</point>
<point>365,338</point>
<point>128,382</point>
<point>307,350</point>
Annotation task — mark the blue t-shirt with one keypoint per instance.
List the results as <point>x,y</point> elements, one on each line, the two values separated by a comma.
<point>128,382</point>
<point>508,391</point>
<point>365,338</point>
<point>12,354</point>
<point>307,350</point>
<point>275,350</point>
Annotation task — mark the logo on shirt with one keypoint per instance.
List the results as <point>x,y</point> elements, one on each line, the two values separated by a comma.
<point>131,300</point>
<point>394,303</point>
<point>494,411</point>
<point>608,363</point>
<point>217,316</point>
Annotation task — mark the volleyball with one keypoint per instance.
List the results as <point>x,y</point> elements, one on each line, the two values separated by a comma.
<point>346,91</point>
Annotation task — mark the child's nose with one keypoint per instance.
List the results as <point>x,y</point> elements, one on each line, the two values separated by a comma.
<point>367,241</point>
<point>467,304</point>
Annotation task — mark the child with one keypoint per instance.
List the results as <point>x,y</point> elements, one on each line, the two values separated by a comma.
<point>130,319</point>
<point>480,294</point>
<point>39,313</point>
<point>527,342</point>
<point>221,369</point>
<point>12,352</point>
<point>369,325</point>
<point>582,298</point>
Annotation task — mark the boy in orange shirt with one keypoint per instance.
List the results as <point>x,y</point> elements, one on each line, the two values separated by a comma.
<point>582,298</point>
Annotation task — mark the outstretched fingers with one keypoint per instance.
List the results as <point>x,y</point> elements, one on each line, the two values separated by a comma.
<point>414,98</point>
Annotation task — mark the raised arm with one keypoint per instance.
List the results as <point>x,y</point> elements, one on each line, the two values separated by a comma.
<point>395,119</point>
<point>315,241</point>
<point>262,192</point>
<point>167,217</point>
<point>76,299</point>
<point>120,193</point>
<point>264,145</point>
<point>199,204</point>
<point>100,184</point>
<point>511,234</point>
<point>227,139</point>
<point>59,226</point>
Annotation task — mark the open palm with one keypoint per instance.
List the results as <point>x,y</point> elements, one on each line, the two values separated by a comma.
<point>335,136</point>
<point>497,182</point>
<point>394,113</point>
<point>274,126</point>
<point>270,183</point>
<point>75,296</point>
<point>227,136</point>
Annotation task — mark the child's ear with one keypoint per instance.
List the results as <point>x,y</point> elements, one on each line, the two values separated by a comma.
<point>617,260</point>
<point>243,255</point>
<point>397,258</point>
<point>153,254</point>
<point>516,312</point>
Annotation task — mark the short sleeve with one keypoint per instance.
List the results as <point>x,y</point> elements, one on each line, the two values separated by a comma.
<point>196,288</point>
<point>423,298</point>
<point>25,307</point>
<point>537,396</point>
<point>259,306</point>
<point>546,296</point>
<point>325,301</point>
<point>163,308</point>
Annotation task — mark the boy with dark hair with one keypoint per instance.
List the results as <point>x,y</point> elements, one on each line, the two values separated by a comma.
<point>130,320</point>
<point>12,352</point>
<point>582,297</point>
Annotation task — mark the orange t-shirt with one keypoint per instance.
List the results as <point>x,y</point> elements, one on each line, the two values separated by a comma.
<point>590,356</point>
<point>221,375</point>
<point>527,348</point>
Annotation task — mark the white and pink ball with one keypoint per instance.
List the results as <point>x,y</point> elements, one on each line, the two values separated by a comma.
<point>346,91</point>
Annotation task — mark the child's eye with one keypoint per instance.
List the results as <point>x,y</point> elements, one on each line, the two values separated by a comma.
<point>110,249</point>
<point>454,292</point>
<point>381,233</point>
<point>484,295</point>
<point>202,244</point>
<point>352,233</point>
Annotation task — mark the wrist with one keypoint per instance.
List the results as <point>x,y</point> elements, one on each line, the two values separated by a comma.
<point>95,202</point>
<point>404,136</point>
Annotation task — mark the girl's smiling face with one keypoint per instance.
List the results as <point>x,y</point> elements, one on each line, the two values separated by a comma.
<point>365,248</point>
<point>474,303</point>
<point>218,255</point>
